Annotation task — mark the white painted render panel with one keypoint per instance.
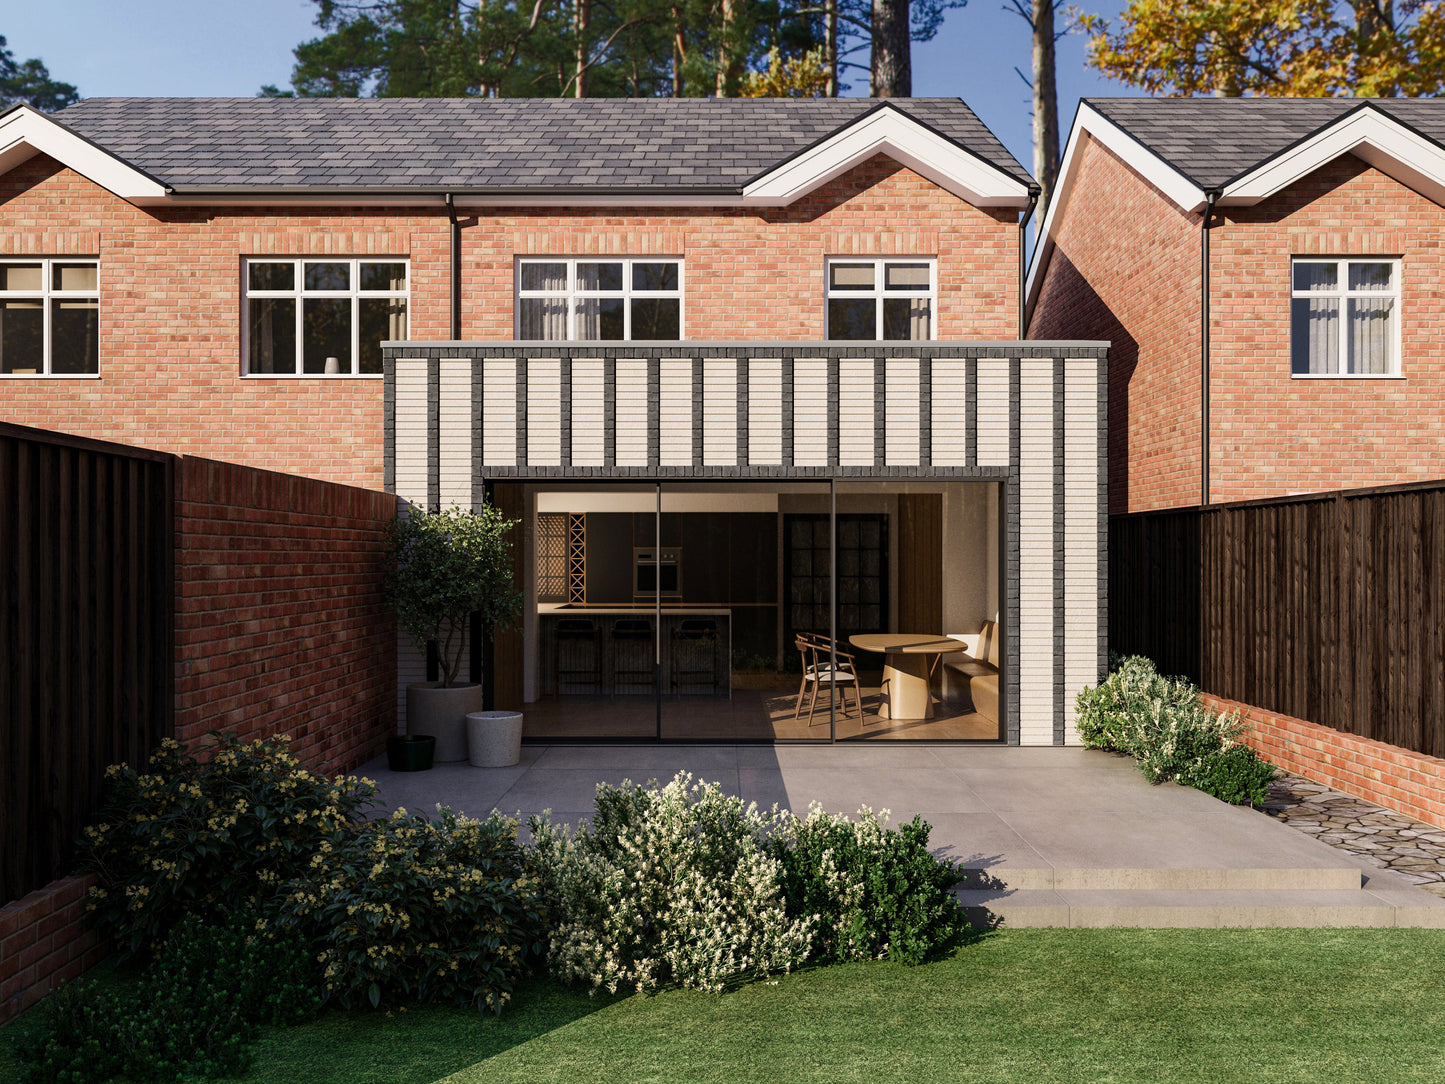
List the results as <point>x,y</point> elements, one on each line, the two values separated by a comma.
<point>900,405</point>
<point>631,412</point>
<point>544,412</point>
<point>454,425</point>
<point>411,430</point>
<point>855,412</point>
<point>993,418</point>
<point>765,411</point>
<point>950,411</point>
<point>1081,526</point>
<point>499,412</point>
<point>810,412</point>
<point>588,401</point>
<point>720,412</point>
<point>675,422</point>
<point>1036,550</point>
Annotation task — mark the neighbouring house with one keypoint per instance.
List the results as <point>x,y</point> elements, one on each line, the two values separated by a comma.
<point>1269,273</point>
<point>748,372</point>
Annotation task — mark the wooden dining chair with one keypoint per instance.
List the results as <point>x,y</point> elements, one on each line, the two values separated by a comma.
<point>817,657</point>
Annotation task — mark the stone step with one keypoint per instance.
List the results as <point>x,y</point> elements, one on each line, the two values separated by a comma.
<point>1343,876</point>
<point>1203,909</point>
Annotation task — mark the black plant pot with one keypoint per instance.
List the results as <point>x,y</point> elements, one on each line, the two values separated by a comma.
<point>410,752</point>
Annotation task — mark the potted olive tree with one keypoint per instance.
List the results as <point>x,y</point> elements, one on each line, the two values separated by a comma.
<point>444,567</point>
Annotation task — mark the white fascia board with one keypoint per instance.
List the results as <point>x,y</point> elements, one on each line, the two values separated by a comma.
<point>890,132</point>
<point>1089,122</point>
<point>25,132</point>
<point>1367,133</point>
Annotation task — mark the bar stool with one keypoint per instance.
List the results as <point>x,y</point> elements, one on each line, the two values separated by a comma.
<point>633,660</point>
<point>577,654</point>
<point>694,653</point>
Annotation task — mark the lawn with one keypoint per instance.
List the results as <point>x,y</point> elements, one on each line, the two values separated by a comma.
<point>1025,1005</point>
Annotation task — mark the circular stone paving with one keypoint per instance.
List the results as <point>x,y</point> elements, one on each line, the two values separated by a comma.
<point>1379,836</point>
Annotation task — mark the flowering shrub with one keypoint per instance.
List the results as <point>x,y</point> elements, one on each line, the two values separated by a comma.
<point>194,1009</point>
<point>876,892</point>
<point>667,885</point>
<point>191,837</point>
<point>1164,726</point>
<point>426,909</point>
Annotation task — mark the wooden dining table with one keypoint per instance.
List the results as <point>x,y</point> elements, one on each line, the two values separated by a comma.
<point>909,660</point>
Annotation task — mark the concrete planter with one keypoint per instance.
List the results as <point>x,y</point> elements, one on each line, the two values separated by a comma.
<point>441,712</point>
<point>494,738</point>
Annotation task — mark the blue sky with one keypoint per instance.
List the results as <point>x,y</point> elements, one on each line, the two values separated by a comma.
<point>128,47</point>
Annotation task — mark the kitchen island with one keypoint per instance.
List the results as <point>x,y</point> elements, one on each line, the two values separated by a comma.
<point>614,650</point>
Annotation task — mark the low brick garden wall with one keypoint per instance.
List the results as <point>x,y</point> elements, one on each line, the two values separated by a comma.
<point>1407,782</point>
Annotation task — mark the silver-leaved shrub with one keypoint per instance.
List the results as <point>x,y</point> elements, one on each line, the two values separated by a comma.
<point>667,885</point>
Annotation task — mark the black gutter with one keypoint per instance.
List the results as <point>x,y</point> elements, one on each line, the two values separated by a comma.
<point>456,275</point>
<point>1023,262</point>
<point>1210,198</point>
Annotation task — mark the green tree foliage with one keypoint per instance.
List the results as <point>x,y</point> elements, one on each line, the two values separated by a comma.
<point>29,82</point>
<point>1277,47</point>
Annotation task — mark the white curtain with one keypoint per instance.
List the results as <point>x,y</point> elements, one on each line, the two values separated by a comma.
<point>1371,334</point>
<point>544,317</point>
<point>1316,335</point>
<point>920,317</point>
<point>589,318</point>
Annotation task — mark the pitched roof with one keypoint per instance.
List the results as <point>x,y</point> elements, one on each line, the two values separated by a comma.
<point>1214,140</point>
<point>578,145</point>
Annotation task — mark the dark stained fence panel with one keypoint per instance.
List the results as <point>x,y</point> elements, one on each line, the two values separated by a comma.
<point>1327,607</point>
<point>85,625</point>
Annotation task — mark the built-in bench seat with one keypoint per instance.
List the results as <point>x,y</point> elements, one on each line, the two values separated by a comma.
<point>978,672</point>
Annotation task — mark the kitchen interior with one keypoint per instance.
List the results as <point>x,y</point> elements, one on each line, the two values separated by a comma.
<point>676,611</point>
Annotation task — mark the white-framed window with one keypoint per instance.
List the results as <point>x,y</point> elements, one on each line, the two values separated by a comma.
<point>591,299</point>
<point>1345,317</point>
<point>881,299</point>
<point>49,316</point>
<point>322,316</point>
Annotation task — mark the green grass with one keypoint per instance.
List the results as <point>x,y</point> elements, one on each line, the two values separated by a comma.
<point>1038,1006</point>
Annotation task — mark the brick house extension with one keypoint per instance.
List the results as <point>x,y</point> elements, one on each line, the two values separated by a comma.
<point>1324,291</point>
<point>1309,234</point>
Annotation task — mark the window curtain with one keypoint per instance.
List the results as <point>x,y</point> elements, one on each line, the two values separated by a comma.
<point>544,317</point>
<point>920,318</point>
<point>1370,334</point>
<point>1316,335</point>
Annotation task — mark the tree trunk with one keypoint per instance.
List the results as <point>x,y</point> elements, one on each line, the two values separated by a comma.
<point>830,47</point>
<point>1046,105</point>
<point>581,16</point>
<point>679,51</point>
<point>729,52</point>
<point>891,75</point>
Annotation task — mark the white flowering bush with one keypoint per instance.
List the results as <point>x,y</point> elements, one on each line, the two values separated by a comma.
<point>669,885</point>
<point>875,892</point>
<point>1162,723</point>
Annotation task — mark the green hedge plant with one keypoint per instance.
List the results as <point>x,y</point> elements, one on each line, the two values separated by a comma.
<point>411,908</point>
<point>1162,723</point>
<point>192,836</point>
<point>667,885</point>
<point>874,892</point>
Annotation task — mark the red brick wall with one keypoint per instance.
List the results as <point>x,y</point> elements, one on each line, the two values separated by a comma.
<point>171,296</point>
<point>43,942</point>
<point>1126,268</point>
<point>1272,435</point>
<point>281,626</point>
<point>1400,779</point>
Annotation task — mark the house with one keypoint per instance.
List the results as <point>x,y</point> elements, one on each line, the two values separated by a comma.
<point>1318,366</point>
<point>1269,273</point>
<point>746,371</point>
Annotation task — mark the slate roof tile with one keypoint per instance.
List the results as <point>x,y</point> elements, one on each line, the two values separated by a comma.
<point>479,143</point>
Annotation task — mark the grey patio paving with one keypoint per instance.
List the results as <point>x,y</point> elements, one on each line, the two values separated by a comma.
<point>1053,836</point>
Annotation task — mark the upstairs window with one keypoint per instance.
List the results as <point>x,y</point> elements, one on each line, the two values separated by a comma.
<point>322,317</point>
<point>50,317</point>
<point>599,300</point>
<point>1345,318</point>
<point>881,299</point>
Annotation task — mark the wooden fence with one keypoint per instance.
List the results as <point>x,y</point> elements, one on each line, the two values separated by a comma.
<point>85,626</point>
<point>1327,607</point>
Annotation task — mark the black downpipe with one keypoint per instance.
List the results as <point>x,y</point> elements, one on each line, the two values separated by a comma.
<point>456,269</point>
<point>1023,261</point>
<point>1210,198</point>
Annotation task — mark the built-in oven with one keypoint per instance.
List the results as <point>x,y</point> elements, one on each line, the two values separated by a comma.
<point>655,571</point>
